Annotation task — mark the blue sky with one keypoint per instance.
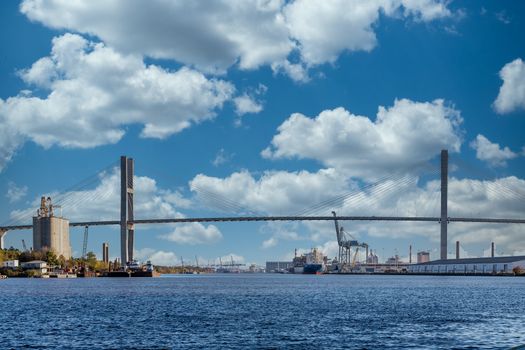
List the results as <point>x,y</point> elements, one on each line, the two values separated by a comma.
<point>275,106</point>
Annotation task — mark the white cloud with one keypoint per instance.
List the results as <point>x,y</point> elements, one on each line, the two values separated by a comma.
<point>274,192</point>
<point>511,95</point>
<point>94,92</point>
<point>279,230</point>
<point>490,152</point>
<point>402,136</point>
<point>216,35</point>
<point>14,192</point>
<point>221,157</point>
<point>296,71</point>
<point>10,139</point>
<point>193,233</point>
<point>157,257</point>
<point>237,259</point>
<point>211,35</point>
<point>326,28</point>
<point>270,242</point>
<point>246,104</point>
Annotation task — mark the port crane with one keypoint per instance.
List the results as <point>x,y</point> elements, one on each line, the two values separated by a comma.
<point>84,246</point>
<point>346,242</point>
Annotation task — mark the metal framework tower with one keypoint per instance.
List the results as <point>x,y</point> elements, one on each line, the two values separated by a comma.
<point>444,202</point>
<point>127,229</point>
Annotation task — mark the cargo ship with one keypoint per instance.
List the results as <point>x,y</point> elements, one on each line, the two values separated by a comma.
<point>315,263</point>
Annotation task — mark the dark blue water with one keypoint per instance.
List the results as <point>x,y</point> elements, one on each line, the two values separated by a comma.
<point>264,311</point>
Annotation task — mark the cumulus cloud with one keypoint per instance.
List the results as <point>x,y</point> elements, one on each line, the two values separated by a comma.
<point>216,35</point>
<point>490,152</point>
<point>326,28</point>
<point>157,257</point>
<point>246,104</point>
<point>269,243</point>
<point>211,35</point>
<point>14,192</point>
<point>511,95</point>
<point>93,92</point>
<point>237,259</point>
<point>10,139</point>
<point>274,192</point>
<point>288,231</point>
<point>193,233</point>
<point>406,134</point>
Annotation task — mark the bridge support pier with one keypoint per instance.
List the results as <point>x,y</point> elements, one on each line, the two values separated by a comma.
<point>2,234</point>
<point>444,203</point>
<point>127,230</point>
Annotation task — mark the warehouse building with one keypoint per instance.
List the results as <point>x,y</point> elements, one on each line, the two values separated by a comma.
<point>491,265</point>
<point>278,266</point>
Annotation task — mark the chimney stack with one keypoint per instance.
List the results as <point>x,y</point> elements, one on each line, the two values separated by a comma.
<point>492,250</point>
<point>410,255</point>
<point>457,249</point>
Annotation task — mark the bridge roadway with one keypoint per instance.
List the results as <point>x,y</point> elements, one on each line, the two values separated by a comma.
<point>280,218</point>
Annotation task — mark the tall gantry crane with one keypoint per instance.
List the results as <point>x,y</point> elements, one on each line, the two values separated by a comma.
<point>346,242</point>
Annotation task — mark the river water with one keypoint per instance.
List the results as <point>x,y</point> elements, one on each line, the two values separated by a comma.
<point>245,311</point>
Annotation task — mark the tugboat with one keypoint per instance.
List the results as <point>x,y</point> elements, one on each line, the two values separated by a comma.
<point>146,270</point>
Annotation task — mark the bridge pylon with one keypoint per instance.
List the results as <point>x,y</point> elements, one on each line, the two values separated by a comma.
<point>2,234</point>
<point>127,229</point>
<point>444,203</point>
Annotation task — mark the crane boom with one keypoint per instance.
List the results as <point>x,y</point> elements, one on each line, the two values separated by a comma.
<point>355,256</point>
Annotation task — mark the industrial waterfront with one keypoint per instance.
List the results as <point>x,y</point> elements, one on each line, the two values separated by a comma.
<point>51,236</point>
<point>265,310</point>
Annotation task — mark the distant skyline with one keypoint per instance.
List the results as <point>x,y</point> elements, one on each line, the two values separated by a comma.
<point>272,107</point>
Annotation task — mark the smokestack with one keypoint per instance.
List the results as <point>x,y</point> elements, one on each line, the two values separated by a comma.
<point>457,249</point>
<point>492,250</point>
<point>410,255</point>
<point>105,253</point>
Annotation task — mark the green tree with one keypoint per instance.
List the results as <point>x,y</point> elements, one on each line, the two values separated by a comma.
<point>62,261</point>
<point>51,258</point>
<point>91,261</point>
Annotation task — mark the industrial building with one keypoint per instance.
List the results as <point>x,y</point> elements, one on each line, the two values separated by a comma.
<point>51,232</point>
<point>489,265</point>
<point>10,264</point>
<point>277,266</point>
<point>423,257</point>
<point>39,265</point>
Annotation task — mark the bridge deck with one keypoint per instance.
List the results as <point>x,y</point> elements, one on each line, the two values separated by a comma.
<point>280,218</point>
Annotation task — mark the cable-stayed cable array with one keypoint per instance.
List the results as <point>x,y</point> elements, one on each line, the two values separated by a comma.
<point>68,197</point>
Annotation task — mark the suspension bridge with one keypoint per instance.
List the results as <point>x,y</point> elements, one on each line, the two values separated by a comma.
<point>128,221</point>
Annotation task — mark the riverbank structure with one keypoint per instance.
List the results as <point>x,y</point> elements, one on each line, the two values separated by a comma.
<point>489,265</point>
